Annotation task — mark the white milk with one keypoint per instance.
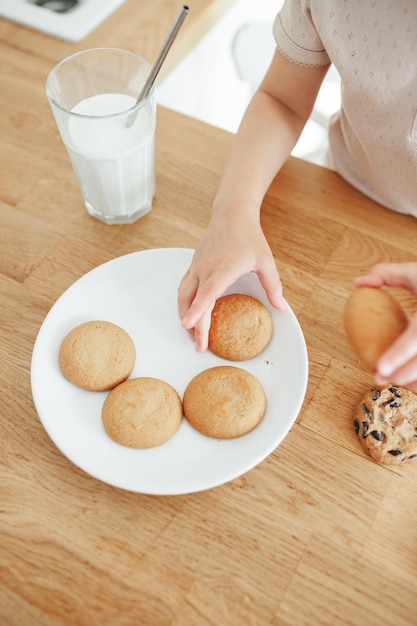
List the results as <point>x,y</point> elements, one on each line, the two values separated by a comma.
<point>113,160</point>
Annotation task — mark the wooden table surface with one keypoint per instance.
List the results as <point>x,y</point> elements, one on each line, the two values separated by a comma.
<point>317,533</point>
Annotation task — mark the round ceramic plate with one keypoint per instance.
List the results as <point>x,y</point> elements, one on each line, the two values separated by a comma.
<point>139,293</point>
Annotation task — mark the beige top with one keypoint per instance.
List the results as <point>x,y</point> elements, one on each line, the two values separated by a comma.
<point>373,45</point>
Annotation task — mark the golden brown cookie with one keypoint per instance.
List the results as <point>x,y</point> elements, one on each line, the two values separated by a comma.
<point>241,327</point>
<point>386,424</point>
<point>224,402</point>
<point>97,355</point>
<point>373,321</point>
<point>142,412</point>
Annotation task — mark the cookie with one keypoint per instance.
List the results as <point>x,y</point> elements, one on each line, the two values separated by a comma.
<point>373,321</point>
<point>241,327</point>
<point>142,412</point>
<point>224,402</point>
<point>386,424</point>
<point>97,355</point>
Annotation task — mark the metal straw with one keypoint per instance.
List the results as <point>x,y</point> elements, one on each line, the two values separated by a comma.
<point>160,58</point>
<point>164,51</point>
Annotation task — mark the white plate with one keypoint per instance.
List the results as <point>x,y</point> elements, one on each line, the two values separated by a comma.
<point>139,293</point>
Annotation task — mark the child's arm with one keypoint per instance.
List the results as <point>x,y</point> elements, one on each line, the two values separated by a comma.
<point>234,243</point>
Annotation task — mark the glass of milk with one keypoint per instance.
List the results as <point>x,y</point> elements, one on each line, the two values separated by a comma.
<point>109,138</point>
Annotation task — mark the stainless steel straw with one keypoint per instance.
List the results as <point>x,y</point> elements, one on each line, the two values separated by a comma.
<point>164,51</point>
<point>183,12</point>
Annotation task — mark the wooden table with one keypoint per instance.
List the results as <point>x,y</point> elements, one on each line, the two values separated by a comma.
<point>315,534</point>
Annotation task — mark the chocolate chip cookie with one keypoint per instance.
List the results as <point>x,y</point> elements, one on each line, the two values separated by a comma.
<point>386,424</point>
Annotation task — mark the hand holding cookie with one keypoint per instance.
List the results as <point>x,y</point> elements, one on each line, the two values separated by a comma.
<point>229,249</point>
<point>398,363</point>
<point>373,321</point>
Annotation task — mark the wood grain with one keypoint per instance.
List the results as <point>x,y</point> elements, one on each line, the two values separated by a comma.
<point>316,534</point>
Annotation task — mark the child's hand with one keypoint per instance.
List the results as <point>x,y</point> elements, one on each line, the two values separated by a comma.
<point>398,364</point>
<point>225,253</point>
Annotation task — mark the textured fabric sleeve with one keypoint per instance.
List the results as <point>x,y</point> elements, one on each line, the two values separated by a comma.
<point>296,34</point>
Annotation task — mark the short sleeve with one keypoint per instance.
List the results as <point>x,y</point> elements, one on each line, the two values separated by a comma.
<point>296,34</point>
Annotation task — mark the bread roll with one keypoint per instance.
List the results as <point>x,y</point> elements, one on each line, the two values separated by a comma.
<point>373,321</point>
